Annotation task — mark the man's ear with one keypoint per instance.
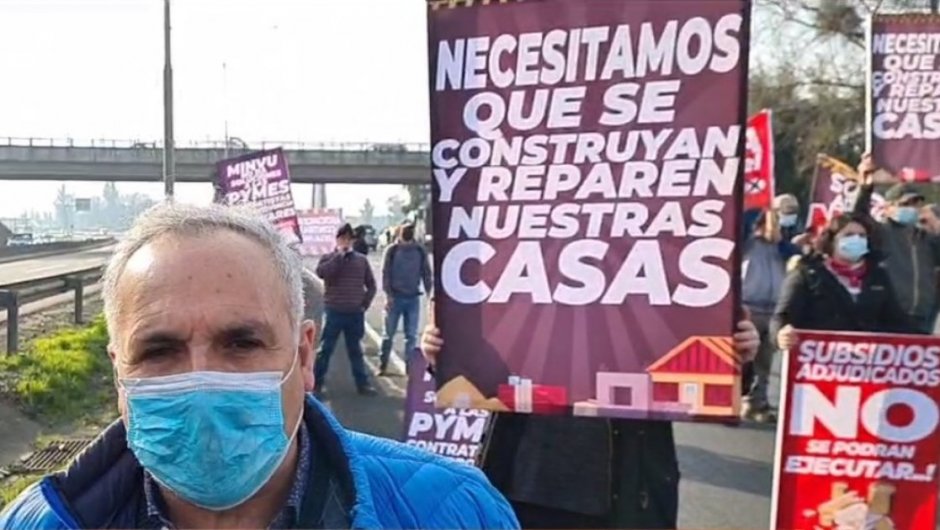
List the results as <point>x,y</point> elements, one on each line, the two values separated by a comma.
<point>306,348</point>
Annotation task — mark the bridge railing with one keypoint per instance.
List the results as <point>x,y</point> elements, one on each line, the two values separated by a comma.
<point>15,295</point>
<point>234,145</point>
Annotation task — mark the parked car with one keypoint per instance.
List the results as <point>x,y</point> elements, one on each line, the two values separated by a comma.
<point>20,240</point>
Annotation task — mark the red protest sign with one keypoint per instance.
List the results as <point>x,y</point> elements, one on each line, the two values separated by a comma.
<point>759,163</point>
<point>858,443</point>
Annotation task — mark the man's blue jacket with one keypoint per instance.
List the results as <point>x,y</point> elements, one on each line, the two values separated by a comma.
<point>375,483</point>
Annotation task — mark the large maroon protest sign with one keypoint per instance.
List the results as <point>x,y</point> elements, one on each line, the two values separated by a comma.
<point>262,180</point>
<point>904,95</point>
<point>587,171</point>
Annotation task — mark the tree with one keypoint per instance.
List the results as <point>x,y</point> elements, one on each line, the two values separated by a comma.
<point>367,212</point>
<point>396,208</point>
<point>112,206</point>
<point>419,198</point>
<point>817,92</point>
<point>64,206</point>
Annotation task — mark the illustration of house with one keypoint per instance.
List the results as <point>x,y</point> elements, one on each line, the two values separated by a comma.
<point>700,373</point>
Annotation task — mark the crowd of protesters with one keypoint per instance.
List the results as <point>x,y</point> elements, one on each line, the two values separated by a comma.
<point>853,273</point>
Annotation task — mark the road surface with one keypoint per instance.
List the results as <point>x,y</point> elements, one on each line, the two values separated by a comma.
<point>51,265</point>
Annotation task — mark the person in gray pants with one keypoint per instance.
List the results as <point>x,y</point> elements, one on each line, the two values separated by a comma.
<point>763,271</point>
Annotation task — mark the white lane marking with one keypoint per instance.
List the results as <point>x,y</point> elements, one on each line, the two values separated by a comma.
<point>394,361</point>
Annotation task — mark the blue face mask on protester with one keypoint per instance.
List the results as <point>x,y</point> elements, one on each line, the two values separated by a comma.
<point>212,438</point>
<point>788,220</point>
<point>905,215</point>
<point>853,247</point>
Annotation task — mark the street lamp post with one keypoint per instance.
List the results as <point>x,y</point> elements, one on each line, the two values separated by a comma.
<point>225,104</point>
<point>169,159</point>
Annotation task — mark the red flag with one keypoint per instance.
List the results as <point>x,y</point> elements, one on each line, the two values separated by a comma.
<point>759,162</point>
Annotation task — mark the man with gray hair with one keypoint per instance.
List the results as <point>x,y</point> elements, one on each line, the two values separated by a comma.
<point>213,362</point>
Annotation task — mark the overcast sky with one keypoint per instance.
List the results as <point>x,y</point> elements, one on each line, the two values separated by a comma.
<point>296,70</point>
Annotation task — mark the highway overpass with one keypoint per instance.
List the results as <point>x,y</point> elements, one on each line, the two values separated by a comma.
<point>130,161</point>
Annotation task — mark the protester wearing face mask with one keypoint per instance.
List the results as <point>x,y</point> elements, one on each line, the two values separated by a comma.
<point>929,220</point>
<point>911,254</point>
<point>792,237</point>
<point>213,362</point>
<point>841,287</point>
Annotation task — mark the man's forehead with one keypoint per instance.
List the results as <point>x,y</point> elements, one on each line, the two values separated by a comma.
<point>224,266</point>
<point>195,250</point>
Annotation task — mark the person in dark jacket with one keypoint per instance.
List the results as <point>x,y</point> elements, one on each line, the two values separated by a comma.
<point>574,472</point>
<point>349,290</point>
<point>764,268</point>
<point>842,287</point>
<point>911,254</point>
<point>405,270</point>
<point>359,243</point>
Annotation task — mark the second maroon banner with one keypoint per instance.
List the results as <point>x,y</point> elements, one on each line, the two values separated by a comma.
<point>587,172</point>
<point>904,95</point>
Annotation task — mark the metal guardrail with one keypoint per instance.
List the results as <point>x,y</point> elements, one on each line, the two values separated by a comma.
<point>387,147</point>
<point>15,295</point>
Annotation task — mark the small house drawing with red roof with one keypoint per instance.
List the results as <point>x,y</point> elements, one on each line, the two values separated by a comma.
<point>700,373</point>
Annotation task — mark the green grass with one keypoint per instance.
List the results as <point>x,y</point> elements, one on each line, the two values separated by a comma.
<point>13,486</point>
<point>63,377</point>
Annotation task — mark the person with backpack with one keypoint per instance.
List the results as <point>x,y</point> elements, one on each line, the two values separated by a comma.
<point>404,270</point>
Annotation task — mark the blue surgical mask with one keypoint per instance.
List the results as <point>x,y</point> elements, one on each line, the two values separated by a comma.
<point>788,220</point>
<point>212,438</point>
<point>905,215</point>
<point>852,247</point>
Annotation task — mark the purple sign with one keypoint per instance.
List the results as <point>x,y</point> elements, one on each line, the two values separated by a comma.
<point>260,179</point>
<point>904,95</point>
<point>451,432</point>
<point>587,162</point>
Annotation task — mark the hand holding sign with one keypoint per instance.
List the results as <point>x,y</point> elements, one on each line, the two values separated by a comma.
<point>786,337</point>
<point>431,340</point>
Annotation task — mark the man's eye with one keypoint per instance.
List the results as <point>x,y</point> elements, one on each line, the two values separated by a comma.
<point>245,344</point>
<point>157,352</point>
